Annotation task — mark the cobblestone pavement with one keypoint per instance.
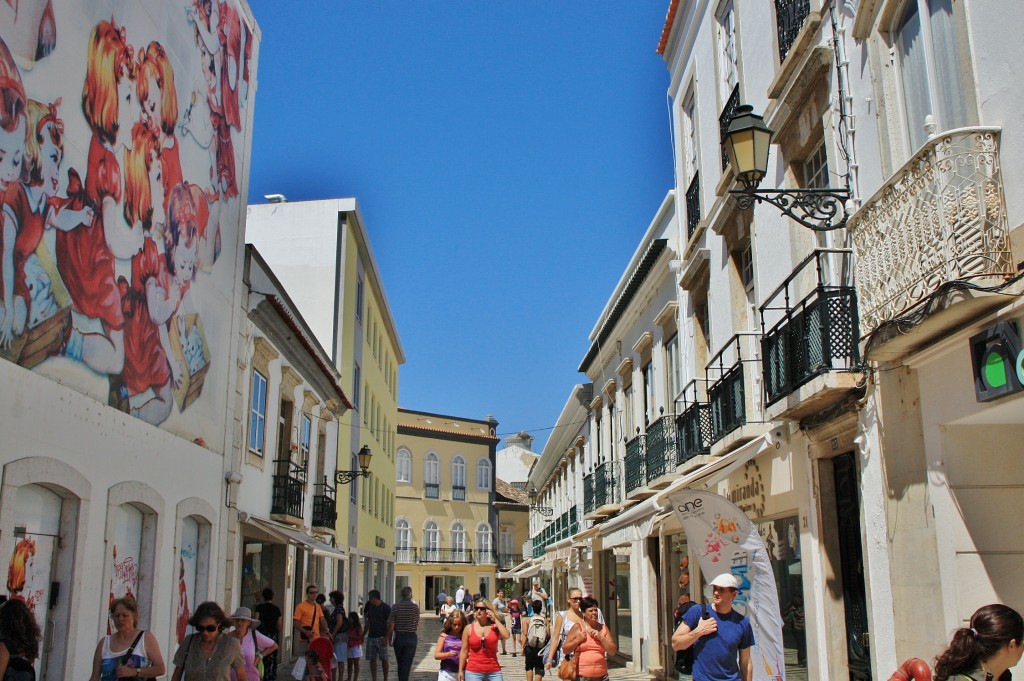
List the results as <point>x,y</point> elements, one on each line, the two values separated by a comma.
<point>513,668</point>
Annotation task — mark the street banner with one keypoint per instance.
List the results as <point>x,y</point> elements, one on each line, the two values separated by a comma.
<point>726,541</point>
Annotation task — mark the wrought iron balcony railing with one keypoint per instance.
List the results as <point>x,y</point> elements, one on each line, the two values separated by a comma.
<point>812,334</point>
<point>693,206</point>
<point>458,493</point>
<point>635,463</point>
<point>289,487</point>
<point>604,485</point>
<point>725,118</point>
<point>325,505</point>
<point>660,447</point>
<point>694,423</point>
<point>509,560</point>
<point>939,219</point>
<point>422,555</point>
<point>789,19</point>
<point>727,392</point>
<point>432,490</point>
<point>588,494</point>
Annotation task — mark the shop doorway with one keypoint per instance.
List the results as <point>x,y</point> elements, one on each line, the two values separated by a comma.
<point>31,573</point>
<point>434,585</point>
<point>851,559</point>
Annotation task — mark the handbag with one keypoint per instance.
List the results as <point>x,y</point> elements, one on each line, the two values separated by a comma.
<point>257,653</point>
<point>568,669</point>
<point>684,661</point>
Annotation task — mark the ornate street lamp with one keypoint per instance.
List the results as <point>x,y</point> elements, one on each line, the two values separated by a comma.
<point>364,456</point>
<point>748,141</point>
<point>545,511</point>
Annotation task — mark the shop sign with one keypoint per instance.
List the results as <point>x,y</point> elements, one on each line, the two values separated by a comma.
<point>998,362</point>
<point>749,494</point>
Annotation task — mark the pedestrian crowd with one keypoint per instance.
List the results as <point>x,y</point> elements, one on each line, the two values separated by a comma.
<point>714,640</point>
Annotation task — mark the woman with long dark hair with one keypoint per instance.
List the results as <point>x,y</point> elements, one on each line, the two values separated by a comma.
<point>19,636</point>
<point>984,650</point>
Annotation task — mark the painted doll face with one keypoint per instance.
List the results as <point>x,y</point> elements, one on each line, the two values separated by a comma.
<point>50,158</point>
<point>151,105</point>
<point>185,262</point>
<point>12,153</point>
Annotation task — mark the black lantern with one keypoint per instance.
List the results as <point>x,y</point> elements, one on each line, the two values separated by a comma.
<point>545,511</point>
<point>748,141</point>
<point>364,455</point>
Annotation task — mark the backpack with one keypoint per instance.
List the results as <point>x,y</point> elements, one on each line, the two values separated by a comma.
<point>537,634</point>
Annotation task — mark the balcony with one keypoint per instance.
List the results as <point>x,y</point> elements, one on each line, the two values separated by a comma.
<point>325,506</point>
<point>588,494</point>
<point>507,561</point>
<point>432,490</point>
<point>693,206</point>
<point>725,118</point>
<point>288,492</point>
<point>604,500</point>
<point>789,19</point>
<point>929,242</point>
<point>635,463</point>
<point>694,427</point>
<point>813,335</point>
<point>458,493</point>
<point>732,391</point>
<point>660,455</point>
<point>431,555</point>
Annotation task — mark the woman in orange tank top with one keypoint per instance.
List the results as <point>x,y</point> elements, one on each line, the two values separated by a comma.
<point>592,643</point>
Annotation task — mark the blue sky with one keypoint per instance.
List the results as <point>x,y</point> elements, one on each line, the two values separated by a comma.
<point>507,157</point>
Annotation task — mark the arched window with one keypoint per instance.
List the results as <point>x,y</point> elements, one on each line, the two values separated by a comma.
<point>484,545</point>
<point>458,478</point>
<point>483,474</point>
<point>403,541</point>
<point>431,541</point>
<point>403,466</point>
<point>432,476</point>
<point>458,541</point>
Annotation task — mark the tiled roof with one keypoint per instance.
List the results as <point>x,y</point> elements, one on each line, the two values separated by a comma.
<point>510,492</point>
<point>666,30</point>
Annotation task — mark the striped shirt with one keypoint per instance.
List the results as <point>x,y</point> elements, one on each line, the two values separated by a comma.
<point>405,616</point>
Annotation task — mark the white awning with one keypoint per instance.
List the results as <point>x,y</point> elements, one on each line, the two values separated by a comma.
<point>524,570</point>
<point>514,572</point>
<point>290,535</point>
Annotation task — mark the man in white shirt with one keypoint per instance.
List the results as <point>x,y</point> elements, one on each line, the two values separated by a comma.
<point>460,595</point>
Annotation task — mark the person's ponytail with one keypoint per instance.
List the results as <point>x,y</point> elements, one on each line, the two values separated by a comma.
<point>962,653</point>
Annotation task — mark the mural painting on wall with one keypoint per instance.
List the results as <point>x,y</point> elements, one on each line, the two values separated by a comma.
<point>122,141</point>
<point>28,573</point>
<point>186,578</point>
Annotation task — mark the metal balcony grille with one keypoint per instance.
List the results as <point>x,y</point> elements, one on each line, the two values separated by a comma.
<point>727,394</point>
<point>634,463</point>
<point>604,486</point>
<point>458,493</point>
<point>432,490</point>
<point>693,206</point>
<point>325,507</point>
<point>588,494</point>
<point>509,560</point>
<point>288,491</point>
<point>789,18</point>
<point>728,111</point>
<point>694,426</point>
<point>811,336</point>
<point>661,447</point>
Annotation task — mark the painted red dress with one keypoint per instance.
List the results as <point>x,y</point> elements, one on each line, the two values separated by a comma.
<point>30,226</point>
<point>229,34</point>
<point>172,175</point>
<point>145,361</point>
<point>84,260</point>
<point>225,149</point>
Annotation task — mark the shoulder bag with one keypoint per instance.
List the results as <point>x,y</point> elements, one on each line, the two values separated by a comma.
<point>568,670</point>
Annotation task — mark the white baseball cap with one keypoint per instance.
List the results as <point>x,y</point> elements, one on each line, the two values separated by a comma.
<point>726,580</point>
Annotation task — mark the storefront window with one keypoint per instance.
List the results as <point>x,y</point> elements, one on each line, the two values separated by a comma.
<point>678,588</point>
<point>782,540</point>
<point>616,604</point>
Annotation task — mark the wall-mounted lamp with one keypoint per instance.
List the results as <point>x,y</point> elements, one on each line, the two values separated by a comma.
<point>364,456</point>
<point>545,511</point>
<point>748,141</point>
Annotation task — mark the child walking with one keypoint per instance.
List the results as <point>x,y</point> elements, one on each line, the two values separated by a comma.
<point>355,646</point>
<point>517,623</point>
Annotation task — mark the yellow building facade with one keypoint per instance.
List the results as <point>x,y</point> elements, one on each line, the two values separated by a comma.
<point>445,521</point>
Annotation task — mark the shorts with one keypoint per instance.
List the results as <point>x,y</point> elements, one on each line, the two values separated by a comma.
<point>341,650</point>
<point>355,652</point>
<point>534,661</point>
<point>445,675</point>
<point>376,649</point>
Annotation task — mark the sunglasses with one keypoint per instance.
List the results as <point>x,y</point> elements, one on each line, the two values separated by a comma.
<point>210,628</point>
<point>576,599</point>
<point>479,608</point>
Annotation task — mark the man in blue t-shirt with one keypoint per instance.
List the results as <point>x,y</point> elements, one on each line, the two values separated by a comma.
<point>721,641</point>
